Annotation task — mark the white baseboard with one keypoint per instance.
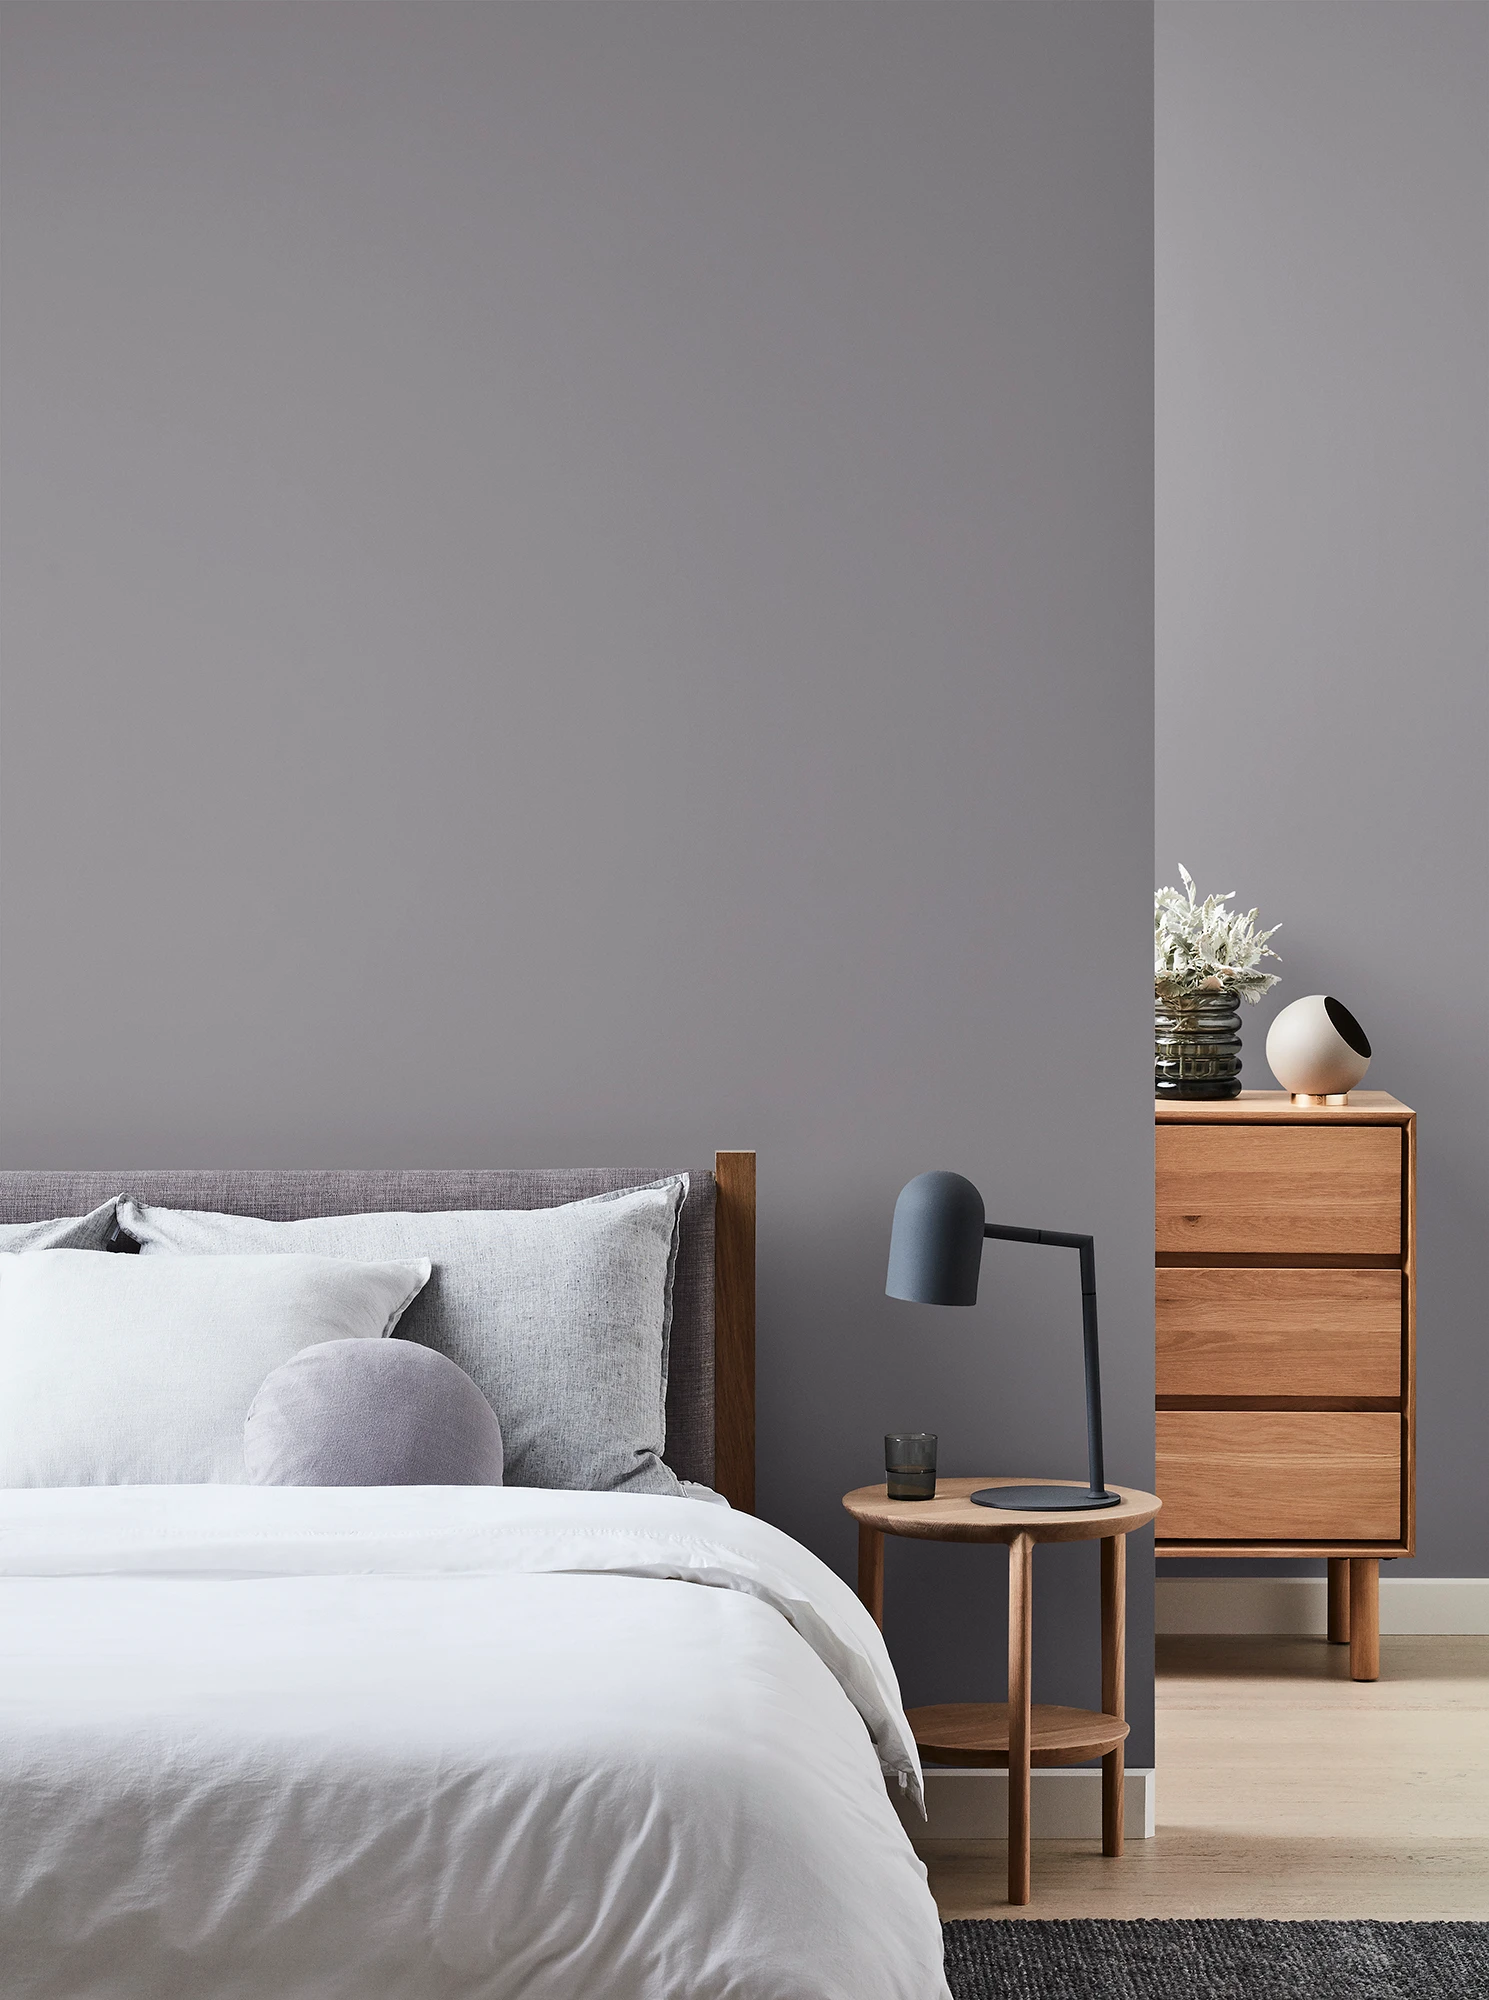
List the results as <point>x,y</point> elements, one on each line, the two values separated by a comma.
<point>1237,1605</point>
<point>1063,1805</point>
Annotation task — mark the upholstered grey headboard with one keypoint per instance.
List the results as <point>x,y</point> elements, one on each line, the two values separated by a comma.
<point>704,1441</point>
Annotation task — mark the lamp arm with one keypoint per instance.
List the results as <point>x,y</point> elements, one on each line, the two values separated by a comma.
<point>1096,1457</point>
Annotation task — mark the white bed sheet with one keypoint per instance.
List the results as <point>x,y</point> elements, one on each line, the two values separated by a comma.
<point>362,1744</point>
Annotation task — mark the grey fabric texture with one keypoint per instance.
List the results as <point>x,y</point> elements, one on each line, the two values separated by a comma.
<point>371,1413</point>
<point>67,1232</point>
<point>289,1194</point>
<point>1214,1958</point>
<point>559,1315</point>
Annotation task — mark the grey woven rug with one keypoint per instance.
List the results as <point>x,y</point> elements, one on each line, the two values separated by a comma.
<point>1032,1959</point>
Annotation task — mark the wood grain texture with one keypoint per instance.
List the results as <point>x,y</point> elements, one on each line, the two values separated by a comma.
<point>1279,1332</point>
<point>1275,1107</point>
<point>871,1572</point>
<point>734,1329</point>
<point>951,1516</point>
<point>1391,1403</point>
<point>1264,1474</point>
<point>1014,1734</point>
<point>1271,1260</point>
<point>1305,1314</point>
<point>1338,1600</point>
<point>1409,1240</point>
<point>1113,1684</point>
<point>1364,1619</point>
<point>1285,1547</point>
<point>1266,1188</point>
<point>976,1733</point>
<point>1020,1720</point>
<point>1285,1791</point>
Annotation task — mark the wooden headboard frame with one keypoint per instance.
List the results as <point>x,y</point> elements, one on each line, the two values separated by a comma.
<point>734,1328</point>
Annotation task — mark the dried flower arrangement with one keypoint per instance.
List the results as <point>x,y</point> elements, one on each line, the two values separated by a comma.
<point>1202,947</point>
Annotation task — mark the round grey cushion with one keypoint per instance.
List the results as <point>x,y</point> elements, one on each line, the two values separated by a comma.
<point>371,1413</point>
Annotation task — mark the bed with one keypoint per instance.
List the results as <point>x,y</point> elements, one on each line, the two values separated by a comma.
<point>368,1743</point>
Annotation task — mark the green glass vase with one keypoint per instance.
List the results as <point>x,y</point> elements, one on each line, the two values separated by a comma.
<point>1197,1045</point>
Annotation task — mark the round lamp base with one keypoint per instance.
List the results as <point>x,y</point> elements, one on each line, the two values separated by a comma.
<point>1043,1499</point>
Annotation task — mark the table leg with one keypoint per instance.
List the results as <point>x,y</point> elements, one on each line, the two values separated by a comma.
<point>1020,1640</point>
<point>871,1572</point>
<point>1338,1600</point>
<point>1364,1618</point>
<point>1113,1684</point>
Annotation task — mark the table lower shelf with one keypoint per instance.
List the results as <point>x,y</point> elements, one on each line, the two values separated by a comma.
<point>976,1732</point>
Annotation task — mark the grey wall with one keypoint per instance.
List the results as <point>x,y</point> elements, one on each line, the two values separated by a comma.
<point>578,589</point>
<point>1323,620</point>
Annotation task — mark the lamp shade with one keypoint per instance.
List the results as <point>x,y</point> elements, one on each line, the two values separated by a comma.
<point>935,1246</point>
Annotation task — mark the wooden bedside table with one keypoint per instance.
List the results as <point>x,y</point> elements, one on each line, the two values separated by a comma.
<point>1017,1733</point>
<point>1286,1295</point>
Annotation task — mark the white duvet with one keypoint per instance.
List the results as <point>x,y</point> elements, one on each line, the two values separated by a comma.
<point>424,1742</point>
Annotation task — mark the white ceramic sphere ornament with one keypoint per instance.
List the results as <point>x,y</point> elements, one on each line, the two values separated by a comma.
<point>1317,1049</point>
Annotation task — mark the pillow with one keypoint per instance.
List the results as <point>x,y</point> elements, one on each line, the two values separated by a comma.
<point>121,1371</point>
<point>71,1232</point>
<point>371,1413</point>
<point>559,1315</point>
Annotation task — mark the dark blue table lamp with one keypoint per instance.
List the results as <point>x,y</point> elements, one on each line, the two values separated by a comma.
<point>935,1253</point>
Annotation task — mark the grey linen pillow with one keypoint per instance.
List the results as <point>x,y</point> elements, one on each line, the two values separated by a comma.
<point>559,1315</point>
<point>68,1232</point>
<point>371,1413</point>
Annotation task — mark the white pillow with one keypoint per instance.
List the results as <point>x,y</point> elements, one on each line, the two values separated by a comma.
<point>123,1371</point>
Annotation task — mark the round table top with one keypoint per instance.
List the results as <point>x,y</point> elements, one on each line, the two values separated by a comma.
<point>951,1516</point>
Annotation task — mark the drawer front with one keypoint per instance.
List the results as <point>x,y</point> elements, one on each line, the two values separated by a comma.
<point>1263,1189</point>
<point>1279,1332</point>
<point>1279,1475</point>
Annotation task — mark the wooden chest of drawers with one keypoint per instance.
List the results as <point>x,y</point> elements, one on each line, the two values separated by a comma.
<point>1285,1286</point>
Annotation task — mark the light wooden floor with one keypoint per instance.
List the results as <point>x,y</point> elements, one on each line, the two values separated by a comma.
<point>1285,1789</point>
